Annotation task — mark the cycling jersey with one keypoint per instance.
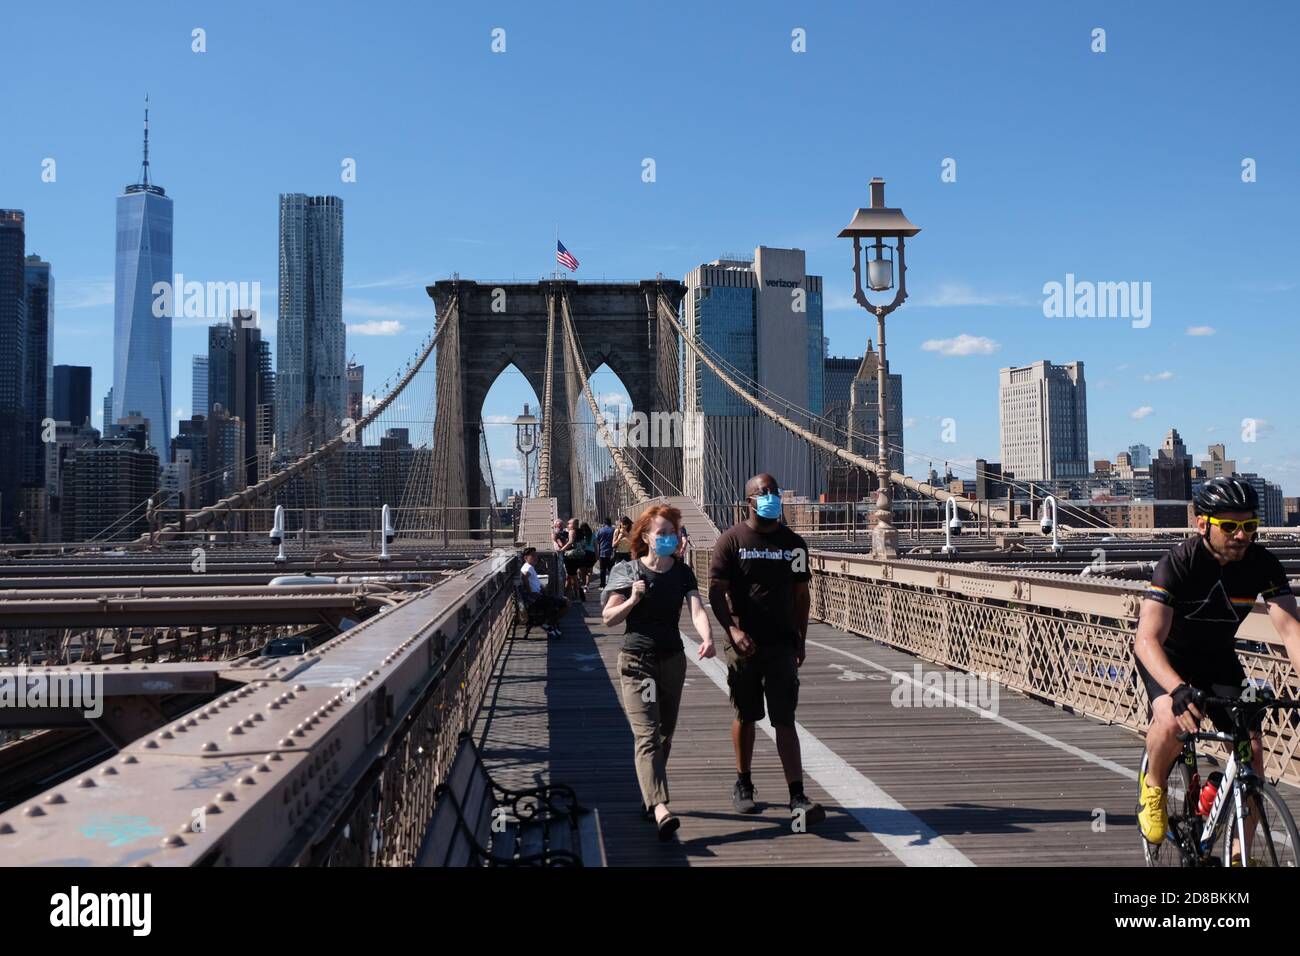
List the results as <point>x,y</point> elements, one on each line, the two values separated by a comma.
<point>1209,599</point>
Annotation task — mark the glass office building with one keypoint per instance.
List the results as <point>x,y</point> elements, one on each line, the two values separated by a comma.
<point>142,342</point>
<point>762,317</point>
<point>311,344</point>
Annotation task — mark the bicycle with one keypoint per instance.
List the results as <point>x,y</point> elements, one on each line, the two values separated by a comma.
<point>1190,836</point>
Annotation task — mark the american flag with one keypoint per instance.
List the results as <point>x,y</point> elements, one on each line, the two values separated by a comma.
<point>564,257</point>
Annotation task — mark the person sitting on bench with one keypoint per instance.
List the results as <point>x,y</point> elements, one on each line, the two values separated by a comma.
<point>548,608</point>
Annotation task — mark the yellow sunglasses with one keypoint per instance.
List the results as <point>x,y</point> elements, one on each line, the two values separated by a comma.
<point>1250,525</point>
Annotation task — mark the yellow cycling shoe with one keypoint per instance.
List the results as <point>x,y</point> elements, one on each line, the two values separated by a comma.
<point>1151,812</point>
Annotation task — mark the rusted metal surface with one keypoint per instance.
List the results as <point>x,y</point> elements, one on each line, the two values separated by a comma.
<point>331,757</point>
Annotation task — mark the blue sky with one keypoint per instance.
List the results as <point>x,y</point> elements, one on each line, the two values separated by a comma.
<point>1124,165</point>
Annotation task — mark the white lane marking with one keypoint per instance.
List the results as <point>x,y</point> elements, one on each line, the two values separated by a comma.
<point>1038,735</point>
<point>903,833</point>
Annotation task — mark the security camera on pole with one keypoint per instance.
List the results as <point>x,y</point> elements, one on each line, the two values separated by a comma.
<point>877,223</point>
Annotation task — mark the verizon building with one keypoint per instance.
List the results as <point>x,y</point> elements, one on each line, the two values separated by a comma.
<point>762,318</point>
<point>1043,410</point>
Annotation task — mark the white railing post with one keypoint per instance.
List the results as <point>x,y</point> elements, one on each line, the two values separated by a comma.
<point>277,534</point>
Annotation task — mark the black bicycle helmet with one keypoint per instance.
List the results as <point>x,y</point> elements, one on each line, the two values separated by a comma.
<point>1226,493</point>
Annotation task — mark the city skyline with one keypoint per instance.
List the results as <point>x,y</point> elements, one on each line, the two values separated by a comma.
<point>976,305</point>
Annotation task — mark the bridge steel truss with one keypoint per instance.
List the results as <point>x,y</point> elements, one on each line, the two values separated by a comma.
<point>1052,636</point>
<point>331,758</point>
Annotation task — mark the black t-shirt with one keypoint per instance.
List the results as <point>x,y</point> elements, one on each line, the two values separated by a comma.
<point>654,622</point>
<point>1210,600</point>
<point>761,571</point>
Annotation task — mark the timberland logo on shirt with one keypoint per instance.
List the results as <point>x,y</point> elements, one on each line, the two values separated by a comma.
<point>797,557</point>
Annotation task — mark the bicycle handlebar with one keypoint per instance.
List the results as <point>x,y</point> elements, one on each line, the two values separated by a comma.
<point>1202,701</point>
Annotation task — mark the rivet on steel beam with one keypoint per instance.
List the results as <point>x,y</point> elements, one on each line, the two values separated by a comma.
<point>286,742</point>
<point>273,705</point>
<point>245,781</point>
<point>263,768</point>
<point>254,719</point>
<point>191,722</point>
<point>85,783</point>
<point>6,828</point>
<point>108,771</point>
<point>247,721</point>
<point>33,812</point>
<point>235,729</point>
<point>55,798</point>
<point>166,735</point>
<point>130,758</point>
<point>226,797</point>
<point>299,731</point>
<point>212,808</point>
<point>299,687</point>
<point>272,756</point>
<point>172,841</point>
<point>151,745</point>
<point>210,746</point>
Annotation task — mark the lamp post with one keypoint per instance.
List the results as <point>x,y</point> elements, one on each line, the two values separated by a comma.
<point>878,223</point>
<point>526,443</point>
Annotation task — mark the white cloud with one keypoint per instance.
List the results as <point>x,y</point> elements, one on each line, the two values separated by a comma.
<point>962,345</point>
<point>370,309</point>
<point>506,468</point>
<point>957,294</point>
<point>498,419</point>
<point>1142,412</point>
<point>907,422</point>
<point>1200,330</point>
<point>403,280</point>
<point>1159,377</point>
<point>83,293</point>
<point>385,327</point>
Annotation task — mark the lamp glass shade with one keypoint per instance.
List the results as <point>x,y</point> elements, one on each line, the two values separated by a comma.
<point>880,274</point>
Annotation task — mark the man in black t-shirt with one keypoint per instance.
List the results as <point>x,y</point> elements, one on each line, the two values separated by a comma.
<point>758,588</point>
<point>1199,594</point>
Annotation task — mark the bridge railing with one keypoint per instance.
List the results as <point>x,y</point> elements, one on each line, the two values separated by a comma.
<point>331,758</point>
<point>1056,637</point>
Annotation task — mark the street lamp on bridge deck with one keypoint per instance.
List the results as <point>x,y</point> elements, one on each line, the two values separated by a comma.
<point>526,443</point>
<point>878,223</point>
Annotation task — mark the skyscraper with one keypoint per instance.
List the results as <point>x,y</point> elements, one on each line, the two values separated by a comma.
<point>311,383</point>
<point>13,365</point>
<point>356,390</point>
<point>864,411</point>
<point>72,394</point>
<point>239,381</point>
<point>142,342</point>
<point>1043,414</point>
<point>763,317</point>
<point>39,360</point>
<point>199,386</point>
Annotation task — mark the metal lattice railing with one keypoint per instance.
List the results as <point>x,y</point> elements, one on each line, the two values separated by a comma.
<point>1053,636</point>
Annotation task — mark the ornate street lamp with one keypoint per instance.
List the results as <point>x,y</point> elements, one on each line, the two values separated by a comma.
<point>876,224</point>
<point>526,426</point>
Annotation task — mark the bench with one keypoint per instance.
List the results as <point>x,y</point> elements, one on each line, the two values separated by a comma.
<point>532,614</point>
<point>477,822</point>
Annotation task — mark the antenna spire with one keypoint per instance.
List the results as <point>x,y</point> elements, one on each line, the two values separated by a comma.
<point>144,172</point>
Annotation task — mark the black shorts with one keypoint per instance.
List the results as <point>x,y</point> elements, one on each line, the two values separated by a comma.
<point>1216,678</point>
<point>771,673</point>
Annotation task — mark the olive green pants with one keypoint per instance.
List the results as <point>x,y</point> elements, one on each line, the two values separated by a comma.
<point>652,696</point>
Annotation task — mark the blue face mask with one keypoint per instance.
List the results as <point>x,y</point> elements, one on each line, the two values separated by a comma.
<point>768,506</point>
<point>666,545</point>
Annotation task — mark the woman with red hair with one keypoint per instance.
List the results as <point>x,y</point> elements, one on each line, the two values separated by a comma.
<point>647,592</point>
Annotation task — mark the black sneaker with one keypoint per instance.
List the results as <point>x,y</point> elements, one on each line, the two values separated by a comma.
<point>742,797</point>
<point>813,813</point>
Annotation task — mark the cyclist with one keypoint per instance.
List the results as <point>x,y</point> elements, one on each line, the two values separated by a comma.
<point>1199,594</point>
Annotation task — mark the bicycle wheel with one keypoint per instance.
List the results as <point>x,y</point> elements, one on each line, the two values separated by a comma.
<point>1276,842</point>
<point>1182,818</point>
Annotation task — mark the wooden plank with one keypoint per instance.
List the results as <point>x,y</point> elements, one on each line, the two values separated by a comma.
<point>996,793</point>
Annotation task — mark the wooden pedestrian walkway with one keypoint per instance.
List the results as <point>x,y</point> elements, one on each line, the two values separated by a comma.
<point>902,785</point>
